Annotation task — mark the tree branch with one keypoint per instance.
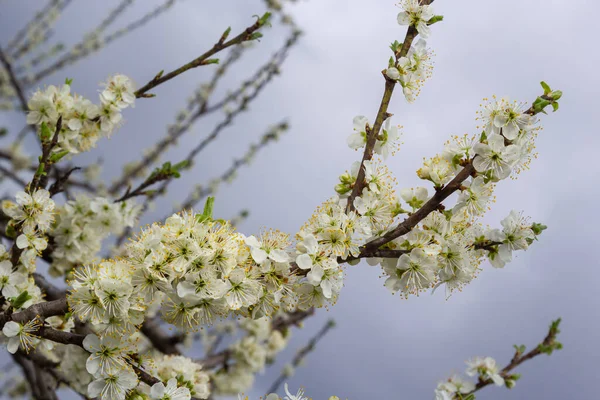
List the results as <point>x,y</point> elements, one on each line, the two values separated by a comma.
<point>382,115</point>
<point>204,59</point>
<point>548,345</point>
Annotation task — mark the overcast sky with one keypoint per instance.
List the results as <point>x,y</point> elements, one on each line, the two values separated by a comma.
<point>385,346</point>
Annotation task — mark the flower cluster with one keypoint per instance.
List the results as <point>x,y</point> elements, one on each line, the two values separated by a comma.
<point>21,335</point>
<point>507,142</point>
<point>298,396</point>
<point>80,227</point>
<point>453,386</point>
<point>250,354</point>
<point>83,122</point>
<point>171,391</point>
<point>411,71</point>
<point>198,270</point>
<point>31,217</point>
<point>416,15</point>
<point>484,368</point>
<point>445,248</point>
<point>386,142</point>
<point>103,368</point>
<point>188,375</point>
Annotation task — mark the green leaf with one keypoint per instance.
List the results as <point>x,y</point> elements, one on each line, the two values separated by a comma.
<point>519,349</point>
<point>482,137</point>
<point>556,95</point>
<point>545,87</point>
<point>68,81</point>
<point>395,46</point>
<point>181,165</point>
<point>45,132</point>
<point>11,232</point>
<point>40,170</point>
<point>225,34</point>
<point>57,156</point>
<point>208,210</point>
<point>211,61</point>
<point>538,228</point>
<point>340,188</point>
<point>17,302</point>
<point>391,62</point>
<point>255,36</point>
<point>264,19</point>
<point>554,327</point>
<point>435,19</point>
<point>456,159</point>
<point>539,104</point>
<point>208,206</point>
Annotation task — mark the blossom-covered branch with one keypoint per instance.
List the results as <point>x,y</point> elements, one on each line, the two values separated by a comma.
<point>487,372</point>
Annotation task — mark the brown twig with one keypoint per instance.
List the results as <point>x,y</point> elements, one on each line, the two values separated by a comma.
<point>278,324</point>
<point>13,80</point>
<point>204,59</point>
<point>12,175</point>
<point>164,343</point>
<point>71,57</point>
<point>60,184</point>
<point>176,132</point>
<point>301,354</point>
<point>548,345</point>
<point>38,310</point>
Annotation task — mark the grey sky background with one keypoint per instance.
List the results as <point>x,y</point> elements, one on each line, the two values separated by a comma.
<point>385,346</point>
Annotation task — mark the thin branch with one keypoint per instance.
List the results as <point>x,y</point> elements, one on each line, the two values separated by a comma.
<point>38,310</point>
<point>12,175</point>
<point>13,80</point>
<point>176,132</point>
<point>51,291</point>
<point>44,28</point>
<point>278,324</point>
<point>164,343</point>
<point>71,57</point>
<point>196,196</point>
<point>29,372</point>
<point>22,34</point>
<point>204,59</point>
<point>382,115</point>
<point>548,345</point>
<point>302,353</point>
<point>61,181</point>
